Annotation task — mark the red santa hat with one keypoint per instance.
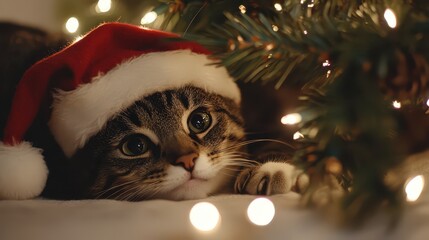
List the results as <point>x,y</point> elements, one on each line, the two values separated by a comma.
<point>89,82</point>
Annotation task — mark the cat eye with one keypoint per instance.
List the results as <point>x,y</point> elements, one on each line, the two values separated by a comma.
<point>135,145</point>
<point>199,121</point>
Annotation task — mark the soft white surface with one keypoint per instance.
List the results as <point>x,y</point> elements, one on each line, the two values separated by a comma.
<point>160,219</point>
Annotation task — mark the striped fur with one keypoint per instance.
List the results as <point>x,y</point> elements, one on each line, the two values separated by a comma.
<point>103,171</point>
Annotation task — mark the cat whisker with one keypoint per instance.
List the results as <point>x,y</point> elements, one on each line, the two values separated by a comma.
<point>138,190</point>
<point>248,142</point>
<point>101,193</point>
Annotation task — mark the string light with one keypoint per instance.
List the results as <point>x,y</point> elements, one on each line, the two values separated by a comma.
<point>72,25</point>
<point>204,216</point>
<point>328,73</point>
<point>103,6</point>
<point>242,9</point>
<point>326,63</point>
<point>305,32</point>
<point>396,104</point>
<point>278,7</point>
<point>275,28</point>
<point>427,103</point>
<point>149,17</point>
<point>414,187</point>
<point>390,17</point>
<point>291,119</point>
<point>297,135</point>
<point>261,211</point>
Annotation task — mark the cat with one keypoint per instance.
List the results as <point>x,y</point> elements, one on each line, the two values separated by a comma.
<point>181,143</point>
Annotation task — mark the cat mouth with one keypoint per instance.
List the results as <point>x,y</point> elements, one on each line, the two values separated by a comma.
<point>192,182</point>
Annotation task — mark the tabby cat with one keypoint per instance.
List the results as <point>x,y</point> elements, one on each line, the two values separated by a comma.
<point>177,144</point>
<point>182,143</point>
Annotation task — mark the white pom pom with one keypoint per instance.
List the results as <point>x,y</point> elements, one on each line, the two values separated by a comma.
<point>23,171</point>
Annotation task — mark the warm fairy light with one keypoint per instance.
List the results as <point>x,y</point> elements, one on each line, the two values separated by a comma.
<point>427,103</point>
<point>291,119</point>
<point>326,63</point>
<point>204,216</point>
<point>261,211</point>
<point>302,1</point>
<point>149,17</point>
<point>103,6</point>
<point>305,32</point>
<point>414,187</point>
<point>396,104</point>
<point>390,17</point>
<point>275,28</point>
<point>242,9</point>
<point>269,46</point>
<point>328,73</point>
<point>297,135</point>
<point>278,7</point>
<point>72,25</point>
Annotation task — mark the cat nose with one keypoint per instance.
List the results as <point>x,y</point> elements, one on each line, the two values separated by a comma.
<point>187,161</point>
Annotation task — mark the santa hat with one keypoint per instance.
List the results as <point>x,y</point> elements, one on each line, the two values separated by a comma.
<point>89,82</point>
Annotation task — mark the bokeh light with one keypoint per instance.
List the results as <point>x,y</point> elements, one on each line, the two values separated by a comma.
<point>396,104</point>
<point>414,187</point>
<point>72,25</point>
<point>291,119</point>
<point>204,216</point>
<point>103,6</point>
<point>261,211</point>
<point>390,17</point>
<point>149,17</point>
<point>278,7</point>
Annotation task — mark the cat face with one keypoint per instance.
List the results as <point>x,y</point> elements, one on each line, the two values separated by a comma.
<point>176,144</point>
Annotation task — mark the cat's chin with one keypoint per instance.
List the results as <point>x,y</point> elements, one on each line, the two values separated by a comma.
<point>191,189</point>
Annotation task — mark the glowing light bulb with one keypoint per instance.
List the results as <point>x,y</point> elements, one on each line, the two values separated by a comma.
<point>278,7</point>
<point>242,9</point>
<point>396,104</point>
<point>390,17</point>
<point>204,216</point>
<point>305,32</point>
<point>326,63</point>
<point>72,25</point>
<point>149,17</point>
<point>297,135</point>
<point>261,211</point>
<point>414,187</point>
<point>427,103</point>
<point>103,6</point>
<point>291,119</point>
<point>275,28</point>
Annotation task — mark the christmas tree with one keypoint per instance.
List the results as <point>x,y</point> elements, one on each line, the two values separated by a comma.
<point>361,66</point>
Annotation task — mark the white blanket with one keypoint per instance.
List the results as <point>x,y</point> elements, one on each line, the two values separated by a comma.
<point>160,219</point>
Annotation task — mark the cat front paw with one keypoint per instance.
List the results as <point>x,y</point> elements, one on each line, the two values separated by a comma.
<point>271,178</point>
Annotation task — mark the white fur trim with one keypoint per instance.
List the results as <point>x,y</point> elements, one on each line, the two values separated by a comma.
<point>81,113</point>
<point>23,171</point>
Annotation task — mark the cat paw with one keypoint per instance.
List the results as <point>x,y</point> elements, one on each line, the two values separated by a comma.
<point>271,178</point>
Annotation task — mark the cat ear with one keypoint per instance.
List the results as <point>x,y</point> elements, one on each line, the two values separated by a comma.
<point>23,171</point>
